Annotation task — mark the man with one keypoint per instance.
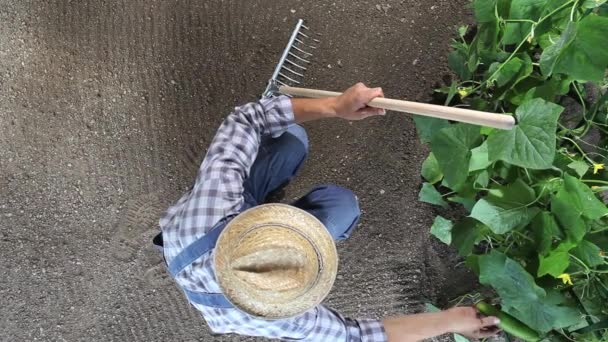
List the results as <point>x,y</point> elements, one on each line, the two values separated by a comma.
<point>263,270</point>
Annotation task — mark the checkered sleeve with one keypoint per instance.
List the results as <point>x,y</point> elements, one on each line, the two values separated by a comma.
<point>218,189</point>
<point>333,326</point>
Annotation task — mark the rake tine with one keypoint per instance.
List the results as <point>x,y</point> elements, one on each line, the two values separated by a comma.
<point>298,57</point>
<point>301,42</point>
<point>294,64</point>
<point>302,51</point>
<point>288,78</point>
<point>293,72</point>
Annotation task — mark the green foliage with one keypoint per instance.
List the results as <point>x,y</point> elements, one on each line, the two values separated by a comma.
<point>430,195</point>
<point>452,148</point>
<point>430,169</point>
<point>531,143</point>
<point>537,232</point>
<point>521,296</point>
<point>441,229</point>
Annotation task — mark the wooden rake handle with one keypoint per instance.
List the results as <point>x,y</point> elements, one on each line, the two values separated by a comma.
<point>474,117</point>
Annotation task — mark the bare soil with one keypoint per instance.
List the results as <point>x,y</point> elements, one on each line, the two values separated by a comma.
<point>106,108</point>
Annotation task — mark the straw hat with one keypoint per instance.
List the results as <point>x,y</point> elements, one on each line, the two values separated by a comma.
<point>275,261</point>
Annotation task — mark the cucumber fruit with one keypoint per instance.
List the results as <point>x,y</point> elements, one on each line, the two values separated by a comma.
<point>509,324</point>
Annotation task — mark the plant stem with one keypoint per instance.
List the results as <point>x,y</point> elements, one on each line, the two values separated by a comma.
<point>572,10</point>
<point>580,97</point>
<point>587,269</point>
<point>594,181</point>
<point>523,236</point>
<point>448,194</point>
<point>579,149</point>
<point>556,10</point>
<point>519,21</point>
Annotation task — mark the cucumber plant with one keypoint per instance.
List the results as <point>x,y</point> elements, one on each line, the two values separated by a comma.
<point>536,222</point>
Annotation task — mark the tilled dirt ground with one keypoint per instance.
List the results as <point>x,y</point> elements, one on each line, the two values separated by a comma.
<point>106,108</point>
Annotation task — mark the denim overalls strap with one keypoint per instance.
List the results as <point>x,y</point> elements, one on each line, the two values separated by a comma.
<point>190,254</point>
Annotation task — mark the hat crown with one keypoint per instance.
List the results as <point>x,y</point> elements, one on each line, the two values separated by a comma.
<point>277,268</point>
<point>275,261</point>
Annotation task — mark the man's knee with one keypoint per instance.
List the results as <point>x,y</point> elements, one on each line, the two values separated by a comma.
<point>300,134</point>
<point>345,200</point>
<point>344,211</point>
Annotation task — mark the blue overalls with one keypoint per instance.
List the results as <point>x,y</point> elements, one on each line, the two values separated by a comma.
<point>277,162</point>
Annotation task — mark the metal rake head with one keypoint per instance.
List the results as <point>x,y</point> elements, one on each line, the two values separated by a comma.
<point>294,60</point>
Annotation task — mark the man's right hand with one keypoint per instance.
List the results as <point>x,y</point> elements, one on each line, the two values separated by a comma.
<point>468,322</point>
<point>352,104</point>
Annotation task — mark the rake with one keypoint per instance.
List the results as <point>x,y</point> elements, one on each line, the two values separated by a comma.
<point>296,58</point>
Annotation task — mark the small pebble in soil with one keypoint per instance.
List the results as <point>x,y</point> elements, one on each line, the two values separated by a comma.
<point>382,191</point>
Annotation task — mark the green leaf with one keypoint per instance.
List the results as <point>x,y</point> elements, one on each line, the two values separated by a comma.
<point>501,220</point>
<point>467,203</point>
<point>579,51</point>
<point>462,30</point>
<point>587,4</point>
<point>545,316</point>
<point>442,229</point>
<point>506,207</point>
<point>483,178</point>
<point>512,195</point>
<point>479,158</point>
<point>556,262</point>
<point>511,72</point>
<point>583,199</point>
<point>568,216</point>
<point>460,338</point>
<point>430,169</point>
<point>451,146</point>
<point>545,230</point>
<point>573,202</point>
<point>485,46</point>
<point>552,53</point>
<point>522,9</point>
<point>429,194</point>
<point>464,235</point>
<point>457,60</point>
<point>531,143</point>
<point>580,167</point>
<point>427,127</point>
<point>508,278</point>
<point>484,10</point>
<point>451,92</point>
<point>589,253</point>
<point>520,295</point>
<point>428,307</point>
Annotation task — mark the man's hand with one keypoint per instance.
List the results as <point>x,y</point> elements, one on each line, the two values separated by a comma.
<point>352,104</point>
<point>469,322</point>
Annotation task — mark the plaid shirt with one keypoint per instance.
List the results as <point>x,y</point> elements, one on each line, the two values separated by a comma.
<point>217,193</point>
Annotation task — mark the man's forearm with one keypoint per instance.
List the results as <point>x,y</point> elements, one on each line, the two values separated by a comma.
<point>313,109</point>
<point>415,327</point>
